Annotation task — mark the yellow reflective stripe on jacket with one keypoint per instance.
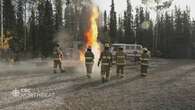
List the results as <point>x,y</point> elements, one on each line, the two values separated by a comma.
<point>109,57</point>
<point>114,62</point>
<point>121,63</point>
<point>144,59</point>
<point>106,57</point>
<point>57,58</point>
<point>120,56</point>
<point>145,64</point>
<point>89,63</point>
<point>105,63</point>
<point>88,58</point>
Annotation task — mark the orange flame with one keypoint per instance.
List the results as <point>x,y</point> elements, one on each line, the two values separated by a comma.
<point>82,55</point>
<point>91,34</point>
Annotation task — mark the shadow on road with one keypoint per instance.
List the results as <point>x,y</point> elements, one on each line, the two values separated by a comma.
<point>120,82</point>
<point>14,104</point>
<point>177,77</point>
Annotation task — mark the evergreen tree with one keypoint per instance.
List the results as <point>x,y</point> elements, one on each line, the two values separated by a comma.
<point>181,38</point>
<point>120,32</point>
<point>186,24</point>
<point>161,33</point>
<point>193,38</point>
<point>139,19</point>
<point>174,35</point>
<point>178,21</point>
<point>141,15</point>
<point>166,34</point>
<point>69,18</point>
<point>20,26</point>
<point>175,30</point>
<point>84,22</point>
<point>147,29</point>
<point>40,26</point>
<point>169,29</point>
<point>47,39</point>
<point>105,21</point>
<point>144,28</point>
<point>193,31</point>
<point>9,16</point>
<point>106,36</point>
<point>136,24</point>
<point>9,22</point>
<point>186,32</point>
<point>128,24</point>
<point>171,34</point>
<point>33,39</point>
<point>113,23</point>
<point>46,28</point>
<point>58,14</point>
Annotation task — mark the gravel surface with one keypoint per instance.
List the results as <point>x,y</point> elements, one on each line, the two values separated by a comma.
<point>170,85</point>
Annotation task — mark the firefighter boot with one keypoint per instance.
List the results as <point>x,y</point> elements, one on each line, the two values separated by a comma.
<point>62,71</point>
<point>107,76</point>
<point>103,79</point>
<point>54,71</point>
<point>88,75</point>
<point>118,75</point>
<point>143,74</point>
<point>122,76</point>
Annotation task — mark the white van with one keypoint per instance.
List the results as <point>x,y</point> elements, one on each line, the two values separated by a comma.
<point>131,50</point>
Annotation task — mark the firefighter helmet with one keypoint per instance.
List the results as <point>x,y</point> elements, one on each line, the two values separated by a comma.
<point>145,50</point>
<point>89,48</point>
<point>107,45</point>
<point>120,48</point>
<point>8,33</point>
<point>57,45</point>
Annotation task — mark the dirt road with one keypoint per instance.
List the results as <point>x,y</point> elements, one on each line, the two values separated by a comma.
<point>170,85</point>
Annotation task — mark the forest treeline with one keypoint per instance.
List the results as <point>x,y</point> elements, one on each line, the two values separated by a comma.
<point>33,24</point>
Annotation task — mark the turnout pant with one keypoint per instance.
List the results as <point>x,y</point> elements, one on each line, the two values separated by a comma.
<point>57,63</point>
<point>120,70</point>
<point>89,68</point>
<point>105,72</point>
<point>144,68</point>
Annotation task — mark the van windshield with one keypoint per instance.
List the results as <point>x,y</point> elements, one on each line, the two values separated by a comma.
<point>138,47</point>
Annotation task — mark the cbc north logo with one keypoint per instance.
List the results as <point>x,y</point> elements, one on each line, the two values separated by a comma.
<point>15,93</point>
<point>31,93</point>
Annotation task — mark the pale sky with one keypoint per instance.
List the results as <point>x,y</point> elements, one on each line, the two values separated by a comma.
<point>120,5</point>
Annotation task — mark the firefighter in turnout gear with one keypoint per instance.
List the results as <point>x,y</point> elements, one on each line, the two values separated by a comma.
<point>120,58</point>
<point>58,56</point>
<point>144,62</point>
<point>89,61</point>
<point>106,62</point>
